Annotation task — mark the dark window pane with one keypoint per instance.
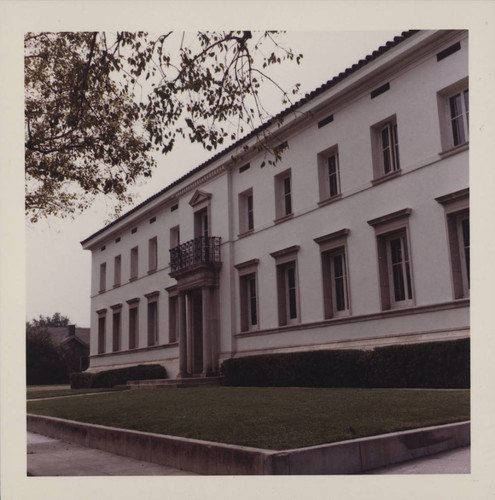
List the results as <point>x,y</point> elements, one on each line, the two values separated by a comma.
<point>252,298</point>
<point>465,239</point>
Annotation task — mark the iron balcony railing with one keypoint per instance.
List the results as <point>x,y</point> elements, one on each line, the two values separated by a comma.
<point>201,250</point>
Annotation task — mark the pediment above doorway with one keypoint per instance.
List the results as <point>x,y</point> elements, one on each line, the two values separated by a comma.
<point>199,197</point>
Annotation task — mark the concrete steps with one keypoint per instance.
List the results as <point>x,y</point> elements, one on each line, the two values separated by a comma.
<point>175,382</point>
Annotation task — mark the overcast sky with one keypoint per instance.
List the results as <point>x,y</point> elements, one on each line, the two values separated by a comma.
<point>58,270</point>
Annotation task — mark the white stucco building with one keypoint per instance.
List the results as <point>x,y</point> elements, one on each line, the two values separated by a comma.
<point>358,237</point>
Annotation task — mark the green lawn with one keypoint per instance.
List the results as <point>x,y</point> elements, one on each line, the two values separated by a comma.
<point>50,393</point>
<point>271,418</point>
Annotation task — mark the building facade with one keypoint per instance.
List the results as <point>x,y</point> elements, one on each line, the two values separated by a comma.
<point>358,237</point>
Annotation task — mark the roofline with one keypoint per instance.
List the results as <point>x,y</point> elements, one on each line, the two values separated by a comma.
<point>307,98</point>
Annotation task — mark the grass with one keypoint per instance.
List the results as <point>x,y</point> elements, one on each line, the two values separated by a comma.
<point>50,393</point>
<point>265,417</point>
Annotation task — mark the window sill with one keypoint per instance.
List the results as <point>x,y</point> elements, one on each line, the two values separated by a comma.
<point>328,201</point>
<point>151,271</point>
<point>245,233</point>
<point>385,178</point>
<point>454,150</point>
<point>283,219</point>
<point>116,285</point>
<point>102,291</point>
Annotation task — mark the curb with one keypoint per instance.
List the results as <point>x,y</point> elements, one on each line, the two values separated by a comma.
<point>209,458</point>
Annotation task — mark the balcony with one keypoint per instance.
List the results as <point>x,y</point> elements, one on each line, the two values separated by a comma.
<point>197,254</point>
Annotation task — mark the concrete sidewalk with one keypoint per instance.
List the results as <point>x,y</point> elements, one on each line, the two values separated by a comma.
<point>456,461</point>
<point>52,457</point>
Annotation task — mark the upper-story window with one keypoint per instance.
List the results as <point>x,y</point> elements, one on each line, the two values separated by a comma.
<point>459,117</point>
<point>385,148</point>
<point>390,148</point>
<point>453,107</point>
<point>174,237</point>
<point>103,276</point>
<point>134,262</point>
<point>152,254</point>
<point>283,194</point>
<point>329,174</point>
<point>246,211</point>
<point>117,270</point>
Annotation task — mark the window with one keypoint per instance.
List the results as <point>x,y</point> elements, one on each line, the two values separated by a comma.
<point>173,304</point>
<point>152,318</point>
<point>134,263</point>
<point>152,254</point>
<point>116,328</point>
<point>390,148</point>
<point>399,271</point>
<point>117,270</point>
<point>283,195</point>
<point>459,117</point>
<point>103,277</point>
<point>394,261</point>
<point>201,223</point>
<point>133,327</point>
<point>334,271</point>
<point>329,174</point>
<point>456,206</point>
<point>248,294</point>
<point>385,148</point>
<point>152,323</point>
<point>453,107</point>
<point>101,331</point>
<point>246,213</point>
<point>287,286</point>
<point>174,237</point>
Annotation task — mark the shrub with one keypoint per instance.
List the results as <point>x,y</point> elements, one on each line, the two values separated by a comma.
<point>44,361</point>
<point>428,365</point>
<point>81,380</point>
<point>120,376</point>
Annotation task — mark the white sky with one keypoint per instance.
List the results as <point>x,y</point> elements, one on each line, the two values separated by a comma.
<point>58,270</point>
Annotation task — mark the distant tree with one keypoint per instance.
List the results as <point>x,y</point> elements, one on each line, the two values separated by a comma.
<point>97,105</point>
<point>46,321</point>
<point>44,362</point>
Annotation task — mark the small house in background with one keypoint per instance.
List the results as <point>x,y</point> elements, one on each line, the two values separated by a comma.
<point>74,342</point>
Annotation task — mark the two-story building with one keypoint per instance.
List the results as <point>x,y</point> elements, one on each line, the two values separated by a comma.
<point>358,237</point>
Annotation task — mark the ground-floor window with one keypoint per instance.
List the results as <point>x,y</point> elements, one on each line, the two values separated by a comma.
<point>101,334</point>
<point>133,327</point>
<point>116,341</point>
<point>456,207</point>
<point>394,259</point>
<point>152,323</point>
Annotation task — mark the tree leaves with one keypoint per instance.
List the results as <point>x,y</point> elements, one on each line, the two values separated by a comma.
<point>97,106</point>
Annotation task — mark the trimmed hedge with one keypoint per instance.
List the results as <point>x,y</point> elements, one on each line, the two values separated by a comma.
<point>429,365</point>
<point>110,378</point>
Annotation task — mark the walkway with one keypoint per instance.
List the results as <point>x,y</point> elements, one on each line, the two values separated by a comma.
<point>52,457</point>
<point>450,462</point>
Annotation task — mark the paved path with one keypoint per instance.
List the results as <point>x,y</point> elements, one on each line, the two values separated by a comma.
<point>456,461</point>
<point>52,457</point>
